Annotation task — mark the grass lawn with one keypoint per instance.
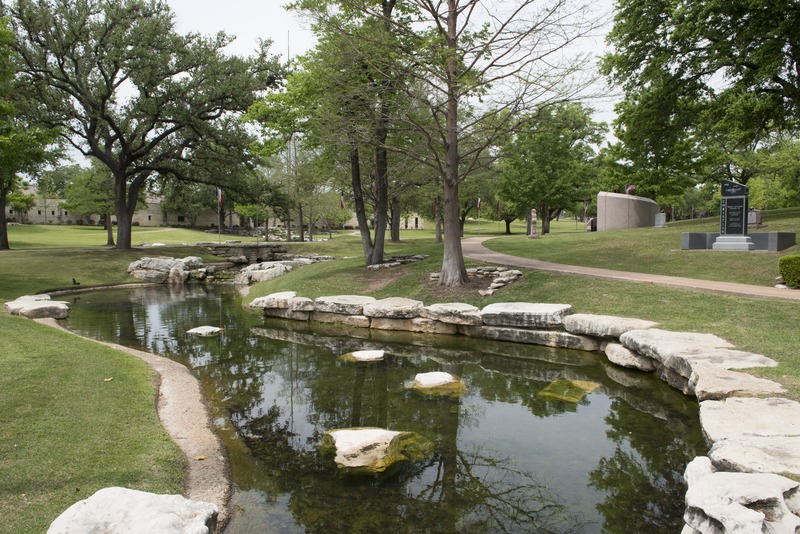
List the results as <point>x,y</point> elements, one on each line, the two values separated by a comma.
<point>64,432</point>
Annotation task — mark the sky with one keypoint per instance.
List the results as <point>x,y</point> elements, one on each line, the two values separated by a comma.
<point>250,20</point>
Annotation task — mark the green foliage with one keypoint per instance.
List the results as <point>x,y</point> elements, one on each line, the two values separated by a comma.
<point>706,84</point>
<point>128,90</point>
<point>548,163</point>
<point>789,267</point>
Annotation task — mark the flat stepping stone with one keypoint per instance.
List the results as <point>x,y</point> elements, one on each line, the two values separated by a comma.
<point>205,331</point>
<point>453,313</point>
<point>736,417</point>
<point>275,300</point>
<point>363,356</point>
<point>568,390</point>
<point>343,304</point>
<point>438,383</point>
<point>394,308</point>
<point>525,314</point>
<point>710,383</point>
<point>755,454</point>
<point>603,325</point>
<point>373,450</point>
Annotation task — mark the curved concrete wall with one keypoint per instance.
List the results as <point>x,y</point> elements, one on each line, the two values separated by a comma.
<point>616,211</point>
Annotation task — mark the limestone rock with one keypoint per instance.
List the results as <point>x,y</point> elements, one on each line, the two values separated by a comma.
<point>373,450</point>
<point>624,357</point>
<point>301,304</point>
<point>261,272</point>
<point>363,356</point>
<point>755,454</point>
<point>14,306</point>
<point>710,383</point>
<point>719,502</point>
<point>359,321</point>
<point>274,300</point>
<point>205,331</point>
<point>603,325</point>
<point>161,270</point>
<point>286,313</point>
<point>548,338</point>
<point>438,383</point>
<point>453,313</point>
<point>344,304</point>
<point>683,351</point>
<point>417,324</point>
<point>42,309</point>
<point>525,314</point>
<point>393,308</point>
<point>568,390</point>
<point>127,511</point>
<point>177,275</point>
<point>735,417</point>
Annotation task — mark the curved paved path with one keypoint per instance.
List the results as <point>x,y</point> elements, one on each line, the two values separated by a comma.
<point>473,248</point>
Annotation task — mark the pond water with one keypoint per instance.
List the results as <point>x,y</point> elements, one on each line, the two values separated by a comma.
<point>508,458</point>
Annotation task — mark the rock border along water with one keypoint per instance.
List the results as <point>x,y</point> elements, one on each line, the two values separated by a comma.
<point>753,433</point>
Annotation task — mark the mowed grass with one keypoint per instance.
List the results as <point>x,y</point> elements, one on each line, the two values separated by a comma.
<point>65,432</point>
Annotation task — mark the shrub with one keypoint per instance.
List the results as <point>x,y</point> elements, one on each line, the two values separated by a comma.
<point>789,267</point>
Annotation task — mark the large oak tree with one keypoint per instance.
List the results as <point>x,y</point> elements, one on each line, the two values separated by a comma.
<point>125,88</point>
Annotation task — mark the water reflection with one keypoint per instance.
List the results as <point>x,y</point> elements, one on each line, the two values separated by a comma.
<point>506,459</point>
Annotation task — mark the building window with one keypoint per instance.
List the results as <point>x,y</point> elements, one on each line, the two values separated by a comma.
<point>40,212</point>
<point>52,213</point>
<point>66,214</point>
<point>181,218</point>
<point>149,217</point>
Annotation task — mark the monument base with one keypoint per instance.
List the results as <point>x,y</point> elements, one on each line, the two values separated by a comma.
<point>733,242</point>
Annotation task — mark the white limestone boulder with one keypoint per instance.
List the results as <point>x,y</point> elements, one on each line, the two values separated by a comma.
<point>301,304</point>
<point>757,454</point>
<point>161,270</point>
<point>711,383</point>
<point>39,309</point>
<point>261,272</point>
<point>681,352</point>
<point>205,331</point>
<point>453,313</point>
<point>127,511</point>
<point>13,306</point>
<point>603,325</point>
<point>735,417</point>
<point>373,450</point>
<point>548,338</point>
<point>274,300</point>
<point>625,357</point>
<point>720,502</point>
<point>438,383</point>
<point>393,308</point>
<point>343,304</point>
<point>525,314</point>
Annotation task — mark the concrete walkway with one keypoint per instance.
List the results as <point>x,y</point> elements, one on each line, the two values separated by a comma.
<point>473,248</point>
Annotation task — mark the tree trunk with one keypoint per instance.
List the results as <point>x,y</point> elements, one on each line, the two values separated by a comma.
<point>508,226</point>
<point>109,230</point>
<point>394,230</point>
<point>300,217</point>
<point>454,272</point>
<point>358,201</point>
<point>125,200</point>
<point>437,215</point>
<point>4,245</point>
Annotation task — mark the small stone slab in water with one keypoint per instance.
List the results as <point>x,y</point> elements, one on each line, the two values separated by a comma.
<point>438,383</point>
<point>205,331</point>
<point>363,356</point>
<point>373,450</point>
<point>568,390</point>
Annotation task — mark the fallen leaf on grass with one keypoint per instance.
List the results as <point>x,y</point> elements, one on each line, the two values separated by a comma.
<point>108,379</point>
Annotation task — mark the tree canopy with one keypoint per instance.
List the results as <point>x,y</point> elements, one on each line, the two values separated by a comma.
<point>125,88</point>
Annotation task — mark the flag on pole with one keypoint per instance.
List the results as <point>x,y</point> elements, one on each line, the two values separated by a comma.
<point>479,202</point>
<point>341,202</point>
<point>219,196</point>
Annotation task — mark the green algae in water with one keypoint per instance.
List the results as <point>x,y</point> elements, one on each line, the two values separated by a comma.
<point>568,390</point>
<point>504,458</point>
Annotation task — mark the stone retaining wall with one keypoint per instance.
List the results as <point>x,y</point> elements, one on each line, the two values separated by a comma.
<point>753,433</point>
